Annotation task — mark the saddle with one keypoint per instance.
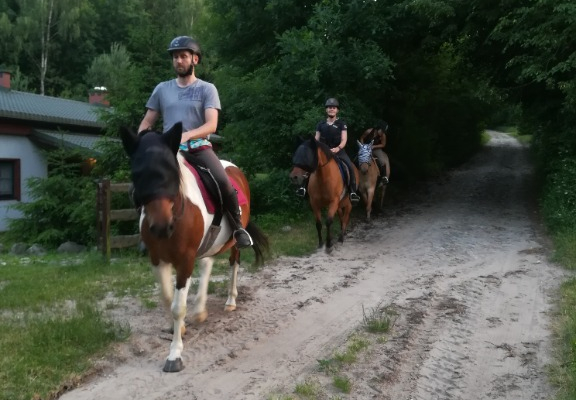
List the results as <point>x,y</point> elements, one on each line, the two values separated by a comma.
<point>344,171</point>
<point>212,197</point>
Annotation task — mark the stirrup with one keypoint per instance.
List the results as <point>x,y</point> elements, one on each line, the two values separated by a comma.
<point>354,198</point>
<point>242,238</point>
<point>301,192</point>
<point>385,180</point>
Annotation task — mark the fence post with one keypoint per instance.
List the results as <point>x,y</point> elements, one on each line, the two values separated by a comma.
<point>105,210</point>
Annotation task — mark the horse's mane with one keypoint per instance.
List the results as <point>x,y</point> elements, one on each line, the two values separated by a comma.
<point>325,149</point>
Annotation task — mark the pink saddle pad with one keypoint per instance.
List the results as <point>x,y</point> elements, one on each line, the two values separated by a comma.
<point>210,204</point>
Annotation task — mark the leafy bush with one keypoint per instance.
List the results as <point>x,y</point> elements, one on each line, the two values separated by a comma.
<point>273,192</point>
<point>62,206</point>
<point>559,199</point>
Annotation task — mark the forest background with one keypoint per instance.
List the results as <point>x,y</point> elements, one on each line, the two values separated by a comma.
<point>438,71</point>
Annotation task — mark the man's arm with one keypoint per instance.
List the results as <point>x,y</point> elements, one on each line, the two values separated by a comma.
<point>149,120</point>
<point>209,127</point>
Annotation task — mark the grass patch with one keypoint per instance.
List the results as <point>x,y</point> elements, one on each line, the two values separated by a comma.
<point>377,319</point>
<point>51,325</point>
<point>342,383</point>
<point>563,372</point>
<point>38,351</point>
<point>565,248</point>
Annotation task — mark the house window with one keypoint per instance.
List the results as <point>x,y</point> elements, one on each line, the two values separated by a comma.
<point>9,179</point>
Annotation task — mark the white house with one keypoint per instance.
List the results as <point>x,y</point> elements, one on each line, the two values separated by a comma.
<point>31,122</point>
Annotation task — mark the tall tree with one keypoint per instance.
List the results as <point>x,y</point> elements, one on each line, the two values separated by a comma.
<point>42,25</point>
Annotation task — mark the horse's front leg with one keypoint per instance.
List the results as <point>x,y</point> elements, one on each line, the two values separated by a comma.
<point>174,361</point>
<point>163,273</point>
<point>369,199</point>
<point>232,283</point>
<point>318,218</point>
<point>332,209</point>
<point>199,313</point>
<point>344,214</point>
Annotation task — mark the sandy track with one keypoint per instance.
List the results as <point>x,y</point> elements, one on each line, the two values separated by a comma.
<point>463,263</point>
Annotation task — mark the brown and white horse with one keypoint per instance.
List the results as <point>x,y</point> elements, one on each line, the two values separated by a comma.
<point>175,223</point>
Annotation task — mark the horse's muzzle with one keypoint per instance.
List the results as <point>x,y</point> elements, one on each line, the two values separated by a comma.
<point>162,231</point>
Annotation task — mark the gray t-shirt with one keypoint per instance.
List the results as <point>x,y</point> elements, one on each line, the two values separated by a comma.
<point>186,105</point>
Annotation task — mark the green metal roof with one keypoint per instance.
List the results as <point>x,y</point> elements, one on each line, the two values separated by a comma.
<point>34,107</point>
<point>66,139</point>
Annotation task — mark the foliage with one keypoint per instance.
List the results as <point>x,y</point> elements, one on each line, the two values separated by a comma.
<point>62,205</point>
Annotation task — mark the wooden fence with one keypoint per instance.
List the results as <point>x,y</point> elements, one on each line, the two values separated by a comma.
<point>106,216</point>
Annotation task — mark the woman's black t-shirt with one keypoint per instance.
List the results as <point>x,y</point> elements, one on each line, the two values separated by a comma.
<point>331,134</point>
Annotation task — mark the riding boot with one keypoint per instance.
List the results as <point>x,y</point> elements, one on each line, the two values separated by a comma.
<point>354,198</point>
<point>240,234</point>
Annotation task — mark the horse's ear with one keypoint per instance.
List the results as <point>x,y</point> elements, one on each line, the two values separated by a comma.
<point>129,140</point>
<point>359,143</point>
<point>173,137</point>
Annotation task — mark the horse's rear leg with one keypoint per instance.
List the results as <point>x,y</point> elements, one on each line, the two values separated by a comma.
<point>174,361</point>
<point>199,313</point>
<point>232,283</point>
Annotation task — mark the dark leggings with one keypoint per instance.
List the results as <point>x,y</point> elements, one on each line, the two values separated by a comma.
<point>208,159</point>
<point>344,157</point>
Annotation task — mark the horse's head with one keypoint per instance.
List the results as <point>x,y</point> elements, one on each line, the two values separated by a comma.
<point>364,155</point>
<point>304,161</point>
<point>155,175</point>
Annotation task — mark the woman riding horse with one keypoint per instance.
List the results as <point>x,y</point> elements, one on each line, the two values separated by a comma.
<point>377,135</point>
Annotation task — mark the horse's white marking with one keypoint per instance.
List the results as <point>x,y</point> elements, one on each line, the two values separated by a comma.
<point>178,314</point>
<point>163,272</point>
<point>204,269</point>
<point>232,289</point>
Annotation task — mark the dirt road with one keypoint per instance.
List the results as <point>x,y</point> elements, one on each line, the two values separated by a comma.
<point>463,264</point>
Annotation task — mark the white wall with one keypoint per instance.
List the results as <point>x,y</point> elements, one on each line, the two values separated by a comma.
<point>32,164</point>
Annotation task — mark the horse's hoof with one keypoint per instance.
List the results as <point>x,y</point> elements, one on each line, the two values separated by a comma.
<point>229,308</point>
<point>200,317</point>
<point>173,365</point>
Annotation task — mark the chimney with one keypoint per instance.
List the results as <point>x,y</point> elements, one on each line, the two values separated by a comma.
<point>98,96</point>
<point>5,79</point>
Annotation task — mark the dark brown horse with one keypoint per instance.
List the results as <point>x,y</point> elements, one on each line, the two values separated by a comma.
<point>177,227</point>
<point>314,161</point>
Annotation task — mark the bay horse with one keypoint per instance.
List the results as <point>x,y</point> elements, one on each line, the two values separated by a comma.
<point>313,161</point>
<point>176,227</point>
<point>369,176</point>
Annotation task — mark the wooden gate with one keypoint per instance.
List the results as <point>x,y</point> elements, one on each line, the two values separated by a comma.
<point>106,216</point>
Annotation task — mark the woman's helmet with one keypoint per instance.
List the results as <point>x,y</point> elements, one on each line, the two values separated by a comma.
<point>332,102</point>
<point>185,43</point>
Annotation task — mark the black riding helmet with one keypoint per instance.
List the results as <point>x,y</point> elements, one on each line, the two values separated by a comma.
<point>332,102</point>
<point>185,43</point>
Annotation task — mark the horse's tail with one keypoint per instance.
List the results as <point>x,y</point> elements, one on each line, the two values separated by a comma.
<point>261,244</point>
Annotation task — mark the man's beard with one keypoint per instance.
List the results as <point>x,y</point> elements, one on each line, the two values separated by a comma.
<point>187,73</point>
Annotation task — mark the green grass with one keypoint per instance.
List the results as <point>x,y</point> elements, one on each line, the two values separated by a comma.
<point>563,372</point>
<point>51,324</point>
<point>53,308</point>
